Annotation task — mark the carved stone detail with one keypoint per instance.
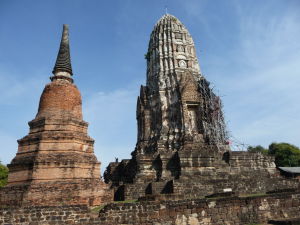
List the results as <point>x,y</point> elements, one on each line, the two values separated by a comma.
<point>182,139</point>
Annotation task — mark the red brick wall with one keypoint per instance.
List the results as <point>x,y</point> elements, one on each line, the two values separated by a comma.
<point>60,97</point>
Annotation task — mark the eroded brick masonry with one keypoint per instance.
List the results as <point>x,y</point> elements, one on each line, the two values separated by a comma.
<point>270,209</point>
<point>182,145</point>
<point>55,163</point>
<point>182,170</point>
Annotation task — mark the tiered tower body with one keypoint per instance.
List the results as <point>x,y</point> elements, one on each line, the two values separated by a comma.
<point>182,145</point>
<point>177,103</point>
<point>55,163</point>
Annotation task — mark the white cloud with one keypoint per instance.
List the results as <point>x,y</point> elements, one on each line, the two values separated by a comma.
<point>265,41</point>
<point>266,90</point>
<point>112,122</point>
<point>14,85</point>
<point>18,104</point>
<point>111,115</point>
<point>260,77</point>
<point>256,66</point>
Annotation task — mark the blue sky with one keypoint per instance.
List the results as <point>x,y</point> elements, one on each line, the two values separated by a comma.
<point>248,49</point>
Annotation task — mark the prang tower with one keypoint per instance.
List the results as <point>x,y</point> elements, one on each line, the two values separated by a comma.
<point>55,162</point>
<point>182,144</point>
<point>177,105</point>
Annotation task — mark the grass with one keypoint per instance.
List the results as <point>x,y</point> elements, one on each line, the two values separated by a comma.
<point>253,195</point>
<point>216,198</point>
<point>97,208</point>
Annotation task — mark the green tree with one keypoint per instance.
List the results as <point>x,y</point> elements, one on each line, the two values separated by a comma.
<point>256,149</point>
<point>3,174</point>
<point>285,154</point>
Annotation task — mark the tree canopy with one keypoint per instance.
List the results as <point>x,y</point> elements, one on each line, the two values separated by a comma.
<point>257,149</point>
<point>286,155</point>
<point>3,174</point>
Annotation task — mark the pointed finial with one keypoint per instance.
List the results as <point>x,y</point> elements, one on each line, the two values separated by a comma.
<point>63,62</point>
<point>166,9</point>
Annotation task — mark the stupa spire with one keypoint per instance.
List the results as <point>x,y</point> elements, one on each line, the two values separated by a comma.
<point>63,66</point>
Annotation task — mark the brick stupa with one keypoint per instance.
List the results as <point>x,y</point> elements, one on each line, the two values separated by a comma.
<point>55,163</point>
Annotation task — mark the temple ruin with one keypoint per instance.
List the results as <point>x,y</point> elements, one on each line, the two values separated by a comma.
<point>182,170</point>
<point>182,147</point>
<point>55,163</point>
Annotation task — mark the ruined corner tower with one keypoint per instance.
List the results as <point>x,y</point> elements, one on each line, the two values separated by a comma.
<point>182,147</point>
<point>55,163</point>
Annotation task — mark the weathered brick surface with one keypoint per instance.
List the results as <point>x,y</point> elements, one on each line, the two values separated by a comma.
<point>55,163</point>
<point>58,98</point>
<point>231,211</point>
<point>182,144</point>
<point>202,172</point>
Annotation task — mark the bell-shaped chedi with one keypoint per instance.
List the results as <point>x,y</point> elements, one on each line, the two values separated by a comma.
<point>182,147</point>
<point>55,163</point>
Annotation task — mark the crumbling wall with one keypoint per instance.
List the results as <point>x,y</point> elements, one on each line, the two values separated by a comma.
<point>233,211</point>
<point>86,192</point>
<point>201,171</point>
